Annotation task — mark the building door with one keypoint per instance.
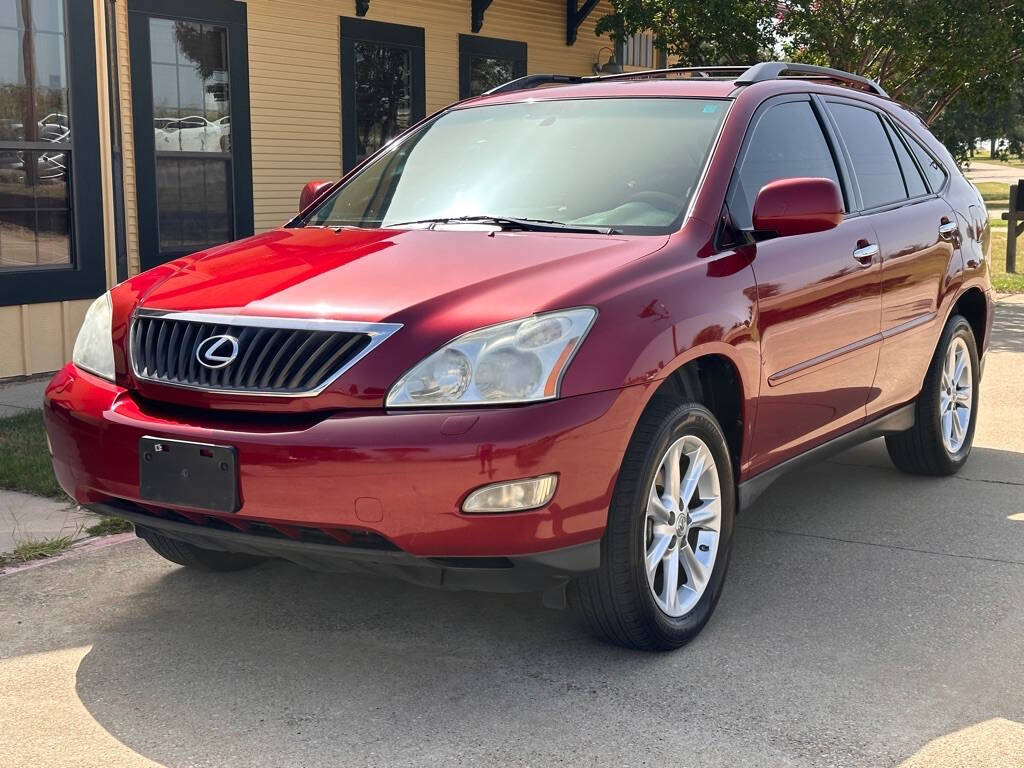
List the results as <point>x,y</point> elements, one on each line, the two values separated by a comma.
<point>486,62</point>
<point>383,85</point>
<point>190,103</point>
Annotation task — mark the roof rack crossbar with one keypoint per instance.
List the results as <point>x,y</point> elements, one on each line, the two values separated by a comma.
<point>708,72</point>
<point>773,70</point>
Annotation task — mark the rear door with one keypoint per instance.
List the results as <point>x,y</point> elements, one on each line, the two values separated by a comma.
<point>818,295</point>
<point>917,236</point>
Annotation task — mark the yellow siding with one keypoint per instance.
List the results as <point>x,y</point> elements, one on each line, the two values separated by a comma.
<point>38,337</point>
<point>295,77</point>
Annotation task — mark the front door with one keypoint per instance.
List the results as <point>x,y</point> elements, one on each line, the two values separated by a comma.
<point>190,94</point>
<point>818,305</point>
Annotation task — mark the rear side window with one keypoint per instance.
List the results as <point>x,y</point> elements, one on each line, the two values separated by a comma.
<point>911,175</point>
<point>874,162</point>
<point>932,168</point>
<point>787,142</point>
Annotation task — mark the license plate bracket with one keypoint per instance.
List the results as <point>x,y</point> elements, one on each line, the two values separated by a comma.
<point>188,474</point>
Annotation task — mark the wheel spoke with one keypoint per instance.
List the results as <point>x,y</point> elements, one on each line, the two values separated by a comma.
<point>698,460</point>
<point>961,418</point>
<point>961,366</point>
<point>656,553</point>
<point>963,397</point>
<point>656,508</point>
<point>707,515</point>
<point>947,426</point>
<point>672,474</point>
<point>696,571</point>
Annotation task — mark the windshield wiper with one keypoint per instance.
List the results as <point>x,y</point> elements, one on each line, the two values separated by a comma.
<point>508,222</point>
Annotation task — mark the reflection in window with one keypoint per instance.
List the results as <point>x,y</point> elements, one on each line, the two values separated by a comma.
<point>191,104</point>
<point>35,135</point>
<point>486,72</point>
<point>383,82</point>
<point>191,114</point>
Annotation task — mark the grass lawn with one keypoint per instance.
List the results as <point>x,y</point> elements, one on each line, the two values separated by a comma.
<point>24,459</point>
<point>994,192</point>
<point>1001,281</point>
<point>34,550</point>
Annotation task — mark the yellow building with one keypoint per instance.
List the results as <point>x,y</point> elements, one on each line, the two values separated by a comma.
<point>135,131</point>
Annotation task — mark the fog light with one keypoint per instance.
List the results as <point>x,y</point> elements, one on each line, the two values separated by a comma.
<point>512,496</point>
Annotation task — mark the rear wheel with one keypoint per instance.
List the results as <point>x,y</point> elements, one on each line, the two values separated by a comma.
<point>666,548</point>
<point>192,556</point>
<point>947,408</point>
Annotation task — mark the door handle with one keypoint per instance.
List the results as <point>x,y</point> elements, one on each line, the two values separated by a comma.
<point>947,228</point>
<point>865,254</point>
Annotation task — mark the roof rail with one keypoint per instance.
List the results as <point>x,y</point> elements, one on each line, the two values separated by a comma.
<point>717,72</point>
<point>774,70</point>
<point>743,75</point>
<point>535,81</point>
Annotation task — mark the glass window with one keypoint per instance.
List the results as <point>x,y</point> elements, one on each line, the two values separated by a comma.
<point>191,114</point>
<point>191,100</point>
<point>540,160</point>
<point>878,173</point>
<point>933,169</point>
<point>383,83</point>
<point>487,72</point>
<point>35,135</point>
<point>911,175</point>
<point>787,143</point>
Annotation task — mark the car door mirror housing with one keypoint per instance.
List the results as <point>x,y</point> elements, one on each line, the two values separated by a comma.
<point>311,192</point>
<point>798,206</point>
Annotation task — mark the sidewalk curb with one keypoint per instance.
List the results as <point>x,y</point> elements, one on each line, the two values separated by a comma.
<point>84,547</point>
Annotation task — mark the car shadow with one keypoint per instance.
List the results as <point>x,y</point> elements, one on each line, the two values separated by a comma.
<point>1008,328</point>
<point>849,628</point>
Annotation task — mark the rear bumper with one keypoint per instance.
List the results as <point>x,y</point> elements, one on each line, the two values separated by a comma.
<point>401,475</point>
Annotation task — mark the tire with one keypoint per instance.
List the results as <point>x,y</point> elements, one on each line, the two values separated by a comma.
<point>926,448</point>
<point>619,602</point>
<point>192,556</point>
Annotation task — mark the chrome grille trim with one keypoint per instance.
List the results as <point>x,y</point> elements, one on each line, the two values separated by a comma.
<point>376,333</point>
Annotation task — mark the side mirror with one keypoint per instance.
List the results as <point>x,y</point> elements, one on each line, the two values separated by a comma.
<point>798,206</point>
<point>311,192</point>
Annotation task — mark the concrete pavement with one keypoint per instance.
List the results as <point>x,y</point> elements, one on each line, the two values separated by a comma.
<point>870,618</point>
<point>981,171</point>
<point>19,396</point>
<point>24,517</point>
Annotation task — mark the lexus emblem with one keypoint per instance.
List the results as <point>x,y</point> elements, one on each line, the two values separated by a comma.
<point>217,351</point>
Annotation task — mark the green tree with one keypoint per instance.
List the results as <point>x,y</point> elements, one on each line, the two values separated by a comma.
<point>928,53</point>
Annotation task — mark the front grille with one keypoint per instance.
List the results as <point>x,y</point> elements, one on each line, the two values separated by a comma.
<point>248,355</point>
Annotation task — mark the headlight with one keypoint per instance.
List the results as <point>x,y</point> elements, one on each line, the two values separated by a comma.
<point>94,348</point>
<point>515,362</point>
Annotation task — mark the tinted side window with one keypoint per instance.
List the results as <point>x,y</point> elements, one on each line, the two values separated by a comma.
<point>787,143</point>
<point>874,163</point>
<point>911,175</point>
<point>932,168</point>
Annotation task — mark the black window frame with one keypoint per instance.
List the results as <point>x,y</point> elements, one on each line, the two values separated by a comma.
<point>85,277</point>
<point>909,136</point>
<point>476,45</point>
<point>355,30</point>
<point>841,144</point>
<point>894,138</point>
<point>233,16</point>
<point>842,170</point>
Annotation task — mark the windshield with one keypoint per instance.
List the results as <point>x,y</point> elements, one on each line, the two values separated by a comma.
<point>628,164</point>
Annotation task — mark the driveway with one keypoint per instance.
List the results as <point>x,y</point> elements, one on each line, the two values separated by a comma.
<point>980,172</point>
<point>870,618</point>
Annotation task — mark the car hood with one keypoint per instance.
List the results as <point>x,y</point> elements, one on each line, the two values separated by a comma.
<point>373,275</point>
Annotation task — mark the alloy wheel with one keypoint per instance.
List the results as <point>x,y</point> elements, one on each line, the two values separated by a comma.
<point>956,395</point>
<point>682,526</point>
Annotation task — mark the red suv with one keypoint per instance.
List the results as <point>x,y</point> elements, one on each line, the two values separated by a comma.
<point>552,338</point>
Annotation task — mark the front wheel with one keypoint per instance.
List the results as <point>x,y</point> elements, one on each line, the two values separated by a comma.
<point>191,556</point>
<point>666,547</point>
<point>947,408</point>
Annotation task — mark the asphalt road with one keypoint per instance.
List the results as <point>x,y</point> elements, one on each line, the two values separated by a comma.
<point>870,618</point>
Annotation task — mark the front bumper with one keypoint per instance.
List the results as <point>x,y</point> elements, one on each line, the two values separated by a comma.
<point>401,476</point>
